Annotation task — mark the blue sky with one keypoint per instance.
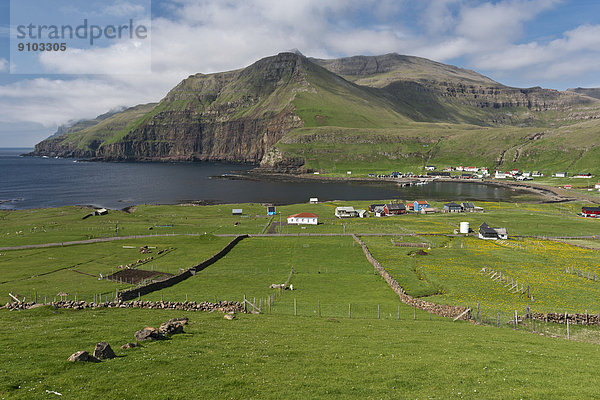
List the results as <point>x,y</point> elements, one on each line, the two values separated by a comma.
<point>549,43</point>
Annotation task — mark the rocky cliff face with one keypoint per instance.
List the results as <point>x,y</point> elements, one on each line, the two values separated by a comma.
<point>186,136</point>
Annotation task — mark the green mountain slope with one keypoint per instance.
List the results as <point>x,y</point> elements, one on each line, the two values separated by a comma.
<point>290,112</point>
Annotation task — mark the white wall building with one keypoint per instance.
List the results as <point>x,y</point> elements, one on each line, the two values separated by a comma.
<point>303,219</point>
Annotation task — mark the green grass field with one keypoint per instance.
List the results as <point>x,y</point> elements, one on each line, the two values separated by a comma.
<point>276,356</point>
<point>364,344</point>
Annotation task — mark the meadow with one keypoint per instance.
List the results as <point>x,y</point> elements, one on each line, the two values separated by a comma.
<point>340,333</point>
<point>279,356</point>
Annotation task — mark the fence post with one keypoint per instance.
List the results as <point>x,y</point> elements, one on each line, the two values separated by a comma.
<point>245,306</point>
<point>516,319</point>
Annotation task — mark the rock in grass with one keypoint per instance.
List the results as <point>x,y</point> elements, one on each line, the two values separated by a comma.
<point>103,351</point>
<point>172,326</point>
<point>229,316</point>
<point>148,333</point>
<point>82,356</point>
<point>130,345</point>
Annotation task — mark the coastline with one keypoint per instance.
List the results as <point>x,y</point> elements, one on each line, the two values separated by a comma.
<point>549,194</point>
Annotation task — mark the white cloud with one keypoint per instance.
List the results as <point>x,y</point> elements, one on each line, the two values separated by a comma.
<point>124,57</point>
<point>125,8</point>
<point>51,102</point>
<point>3,65</point>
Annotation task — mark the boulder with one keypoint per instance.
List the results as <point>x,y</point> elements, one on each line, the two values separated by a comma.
<point>173,326</point>
<point>229,316</point>
<point>148,333</point>
<point>82,356</point>
<point>103,351</point>
<point>130,345</point>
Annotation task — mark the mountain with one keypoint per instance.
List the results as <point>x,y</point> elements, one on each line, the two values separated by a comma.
<point>291,112</point>
<point>591,92</point>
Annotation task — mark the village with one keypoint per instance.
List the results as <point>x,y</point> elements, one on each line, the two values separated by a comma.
<point>431,172</point>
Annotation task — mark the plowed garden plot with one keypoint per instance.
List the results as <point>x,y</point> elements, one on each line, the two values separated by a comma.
<point>135,276</point>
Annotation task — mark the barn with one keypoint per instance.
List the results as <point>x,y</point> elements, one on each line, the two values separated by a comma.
<point>487,233</point>
<point>591,212</point>
<point>394,209</point>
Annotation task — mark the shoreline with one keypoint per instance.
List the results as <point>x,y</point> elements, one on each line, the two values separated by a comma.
<point>549,194</point>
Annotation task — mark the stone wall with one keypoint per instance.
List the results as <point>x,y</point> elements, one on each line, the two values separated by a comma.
<point>438,309</point>
<point>222,306</point>
<point>168,282</point>
<point>562,318</point>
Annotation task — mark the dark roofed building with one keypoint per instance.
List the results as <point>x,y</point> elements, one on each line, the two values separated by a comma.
<point>372,207</point>
<point>452,207</point>
<point>394,209</point>
<point>486,232</point>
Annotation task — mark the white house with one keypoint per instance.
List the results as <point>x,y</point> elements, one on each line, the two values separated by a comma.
<point>345,212</point>
<point>560,175</point>
<point>313,200</point>
<point>500,175</point>
<point>597,186</point>
<point>303,219</point>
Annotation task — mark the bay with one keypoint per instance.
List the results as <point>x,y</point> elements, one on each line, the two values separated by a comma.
<point>35,182</point>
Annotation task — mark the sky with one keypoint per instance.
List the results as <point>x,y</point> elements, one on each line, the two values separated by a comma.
<point>523,43</point>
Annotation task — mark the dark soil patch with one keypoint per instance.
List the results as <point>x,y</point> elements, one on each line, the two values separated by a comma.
<point>136,275</point>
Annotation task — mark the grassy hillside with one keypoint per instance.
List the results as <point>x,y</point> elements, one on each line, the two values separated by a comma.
<point>85,137</point>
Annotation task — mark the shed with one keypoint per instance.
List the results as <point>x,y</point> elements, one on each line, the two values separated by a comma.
<point>313,200</point>
<point>237,211</point>
<point>453,207</point>
<point>345,212</point>
<point>429,210</point>
<point>303,219</point>
<point>430,167</point>
<point>101,211</point>
<point>394,209</point>
<point>420,204</point>
<point>560,175</point>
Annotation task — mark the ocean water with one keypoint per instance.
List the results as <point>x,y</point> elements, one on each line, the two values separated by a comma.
<point>35,182</point>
